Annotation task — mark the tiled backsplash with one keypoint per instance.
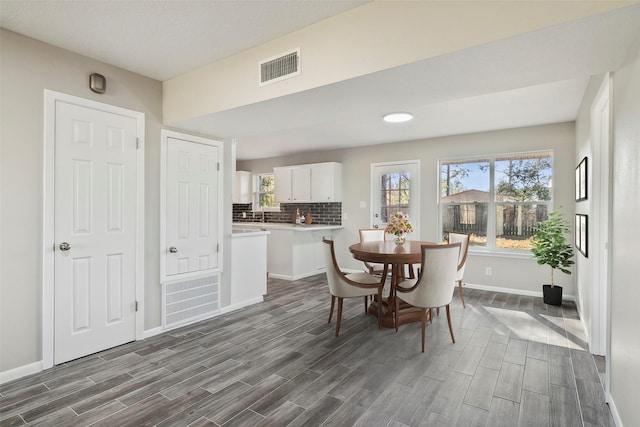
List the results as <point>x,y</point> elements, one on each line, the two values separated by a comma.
<point>322,213</point>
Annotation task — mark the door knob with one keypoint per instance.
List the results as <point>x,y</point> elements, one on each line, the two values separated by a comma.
<point>375,226</point>
<point>173,249</point>
<point>64,246</point>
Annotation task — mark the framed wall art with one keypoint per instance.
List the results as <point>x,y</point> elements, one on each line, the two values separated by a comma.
<point>582,234</point>
<point>581,181</point>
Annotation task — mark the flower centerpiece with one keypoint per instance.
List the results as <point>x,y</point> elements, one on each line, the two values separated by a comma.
<point>399,226</point>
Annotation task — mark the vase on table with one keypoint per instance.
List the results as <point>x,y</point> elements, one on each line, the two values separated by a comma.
<point>400,239</point>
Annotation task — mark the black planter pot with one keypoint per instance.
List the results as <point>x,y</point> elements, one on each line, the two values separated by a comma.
<point>552,295</point>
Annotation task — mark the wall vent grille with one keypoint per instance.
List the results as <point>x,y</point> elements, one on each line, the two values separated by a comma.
<point>190,300</point>
<point>280,67</point>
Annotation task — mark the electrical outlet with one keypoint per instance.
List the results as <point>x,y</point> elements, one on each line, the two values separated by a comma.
<point>488,271</point>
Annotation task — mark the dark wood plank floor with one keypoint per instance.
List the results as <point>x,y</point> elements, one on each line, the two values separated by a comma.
<point>516,362</point>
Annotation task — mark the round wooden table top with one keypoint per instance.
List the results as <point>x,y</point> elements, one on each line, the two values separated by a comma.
<point>387,252</point>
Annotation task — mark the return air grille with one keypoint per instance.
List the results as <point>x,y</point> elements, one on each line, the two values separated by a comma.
<point>190,300</point>
<point>280,67</point>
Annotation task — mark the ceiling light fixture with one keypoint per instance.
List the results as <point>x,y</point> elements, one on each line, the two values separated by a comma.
<point>397,117</point>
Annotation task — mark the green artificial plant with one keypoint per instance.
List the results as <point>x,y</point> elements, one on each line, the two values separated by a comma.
<point>549,245</point>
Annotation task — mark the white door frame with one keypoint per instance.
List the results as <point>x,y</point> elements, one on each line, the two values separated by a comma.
<point>600,341</point>
<point>164,136</point>
<point>415,219</point>
<point>48,237</point>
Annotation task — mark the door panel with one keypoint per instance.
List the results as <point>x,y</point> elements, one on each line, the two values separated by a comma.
<point>395,188</point>
<point>192,200</point>
<point>95,214</point>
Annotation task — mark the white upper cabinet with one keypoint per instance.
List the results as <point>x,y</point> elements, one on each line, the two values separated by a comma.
<point>326,182</point>
<point>242,191</point>
<point>292,184</point>
<point>319,182</point>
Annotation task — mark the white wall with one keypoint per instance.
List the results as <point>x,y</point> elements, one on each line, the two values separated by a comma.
<point>349,45</point>
<point>584,266</point>
<point>27,68</point>
<point>625,292</point>
<point>520,274</point>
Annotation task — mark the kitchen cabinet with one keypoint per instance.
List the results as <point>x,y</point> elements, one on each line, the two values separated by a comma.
<point>326,182</point>
<point>318,182</point>
<point>294,255</point>
<point>242,190</point>
<point>293,184</point>
<point>248,267</point>
<point>293,251</point>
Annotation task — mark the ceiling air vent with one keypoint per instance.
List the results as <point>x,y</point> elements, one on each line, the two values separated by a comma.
<point>280,67</point>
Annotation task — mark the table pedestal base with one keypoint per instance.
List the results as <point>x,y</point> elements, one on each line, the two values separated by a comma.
<point>407,314</point>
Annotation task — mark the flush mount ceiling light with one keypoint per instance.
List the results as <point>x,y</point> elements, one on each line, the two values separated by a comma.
<point>397,117</point>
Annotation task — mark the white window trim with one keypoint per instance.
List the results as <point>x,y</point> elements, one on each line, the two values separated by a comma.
<point>255,194</point>
<point>490,250</point>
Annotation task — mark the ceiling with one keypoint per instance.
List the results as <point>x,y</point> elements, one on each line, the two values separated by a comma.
<point>531,79</point>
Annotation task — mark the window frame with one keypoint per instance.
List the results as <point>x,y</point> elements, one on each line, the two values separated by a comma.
<point>255,195</point>
<point>491,249</point>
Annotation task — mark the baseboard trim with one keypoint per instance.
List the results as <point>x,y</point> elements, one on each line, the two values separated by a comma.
<point>296,277</point>
<point>152,332</point>
<point>19,372</point>
<point>514,291</point>
<point>240,305</point>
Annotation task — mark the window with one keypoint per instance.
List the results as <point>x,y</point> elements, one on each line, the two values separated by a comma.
<point>264,198</point>
<point>395,188</point>
<point>499,200</point>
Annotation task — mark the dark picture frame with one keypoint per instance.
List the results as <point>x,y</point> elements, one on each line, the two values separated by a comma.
<point>582,234</point>
<point>581,180</point>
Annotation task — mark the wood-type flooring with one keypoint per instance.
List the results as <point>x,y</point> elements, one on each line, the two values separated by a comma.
<point>516,362</point>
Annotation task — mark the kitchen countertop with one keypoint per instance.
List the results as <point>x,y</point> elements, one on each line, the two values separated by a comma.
<point>282,226</point>
<point>248,232</point>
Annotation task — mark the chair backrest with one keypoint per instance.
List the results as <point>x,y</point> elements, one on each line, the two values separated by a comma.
<point>463,239</point>
<point>435,286</point>
<point>335,277</point>
<point>372,234</point>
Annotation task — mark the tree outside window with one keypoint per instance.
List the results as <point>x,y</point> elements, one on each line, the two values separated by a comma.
<point>502,212</point>
<point>395,194</point>
<point>264,196</point>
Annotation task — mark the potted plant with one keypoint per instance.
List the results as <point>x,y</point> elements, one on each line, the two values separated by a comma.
<point>550,247</point>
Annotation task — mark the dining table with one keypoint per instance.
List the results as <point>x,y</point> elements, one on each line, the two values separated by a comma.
<point>397,256</point>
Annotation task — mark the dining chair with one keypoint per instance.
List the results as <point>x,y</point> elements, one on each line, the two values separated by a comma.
<point>463,239</point>
<point>372,235</point>
<point>349,285</point>
<point>434,286</point>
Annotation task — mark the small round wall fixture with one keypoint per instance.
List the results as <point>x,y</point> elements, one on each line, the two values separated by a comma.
<point>399,117</point>
<point>97,83</point>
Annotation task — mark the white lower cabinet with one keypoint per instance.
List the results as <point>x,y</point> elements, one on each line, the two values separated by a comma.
<point>248,268</point>
<point>293,255</point>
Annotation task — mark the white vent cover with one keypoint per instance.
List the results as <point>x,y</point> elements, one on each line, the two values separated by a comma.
<point>280,67</point>
<point>190,300</point>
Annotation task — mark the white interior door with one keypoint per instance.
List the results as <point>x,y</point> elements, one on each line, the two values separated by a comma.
<point>191,206</point>
<point>395,187</point>
<point>95,231</point>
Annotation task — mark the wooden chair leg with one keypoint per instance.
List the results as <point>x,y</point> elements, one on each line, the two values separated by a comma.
<point>380,308</point>
<point>395,312</point>
<point>431,315</point>
<point>339,316</point>
<point>449,321</point>
<point>424,322</point>
<point>333,301</point>
<point>461,293</point>
<point>366,299</point>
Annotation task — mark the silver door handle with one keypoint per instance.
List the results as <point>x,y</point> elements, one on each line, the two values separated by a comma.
<point>64,246</point>
<point>375,226</point>
<point>173,249</point>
